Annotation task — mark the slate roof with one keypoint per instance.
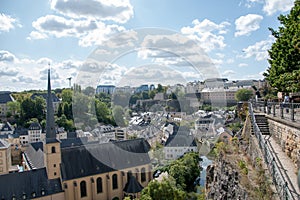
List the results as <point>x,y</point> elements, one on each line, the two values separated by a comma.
<point>27,183</point>
<point>35,155</point>
<point>181,138</point>
<point>94,159</point>
<point>5,97</point>
<point>6,127</point>
<point>21,131</point>
<point>44,95</point>
<point>132,186</point>
<point>35,126</point>
<point>71,142</point>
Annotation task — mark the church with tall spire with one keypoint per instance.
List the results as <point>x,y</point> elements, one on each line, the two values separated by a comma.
<point>64,170</point>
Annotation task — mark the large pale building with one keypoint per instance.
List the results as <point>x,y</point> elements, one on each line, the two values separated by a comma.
<point>64,170</point>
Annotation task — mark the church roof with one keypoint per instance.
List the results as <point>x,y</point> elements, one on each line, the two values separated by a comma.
<point>35,155</point>
<point>132,186</point>
<point>94,159</point>
<point>28,185</point>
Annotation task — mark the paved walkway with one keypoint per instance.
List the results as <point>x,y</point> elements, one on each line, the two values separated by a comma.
<point>289,168</point>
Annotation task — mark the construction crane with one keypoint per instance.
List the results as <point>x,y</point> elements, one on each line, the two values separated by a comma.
<point>70,78</point>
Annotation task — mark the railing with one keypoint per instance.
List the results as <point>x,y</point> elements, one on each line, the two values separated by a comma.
<point>280,182</point>
<point>288,111</point>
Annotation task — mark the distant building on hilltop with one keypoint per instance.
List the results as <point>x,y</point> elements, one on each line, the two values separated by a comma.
<point>107,89</point>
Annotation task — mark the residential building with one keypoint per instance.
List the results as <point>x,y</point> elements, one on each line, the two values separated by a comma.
<point>5,97</point>
<point>34,132</point>
<point>5,157</point>
<point>6,129</point>
<point>180,142</point>
<point>73,171</point>
<point>107,89</point>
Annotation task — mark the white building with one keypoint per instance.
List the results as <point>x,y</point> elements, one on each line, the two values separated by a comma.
<point>179,143</point>
<point>34,132</point>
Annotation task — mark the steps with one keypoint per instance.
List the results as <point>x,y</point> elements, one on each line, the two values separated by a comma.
<point>262,124</point>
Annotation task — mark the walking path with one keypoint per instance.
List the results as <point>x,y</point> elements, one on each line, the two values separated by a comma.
<point>289,168</point>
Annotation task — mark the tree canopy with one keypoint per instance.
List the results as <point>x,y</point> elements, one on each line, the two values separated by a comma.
<point>243,94</point>
<point>284,71</point>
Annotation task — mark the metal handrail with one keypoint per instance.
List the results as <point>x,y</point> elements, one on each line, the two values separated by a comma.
<point>283,110</point>
<point>281,184</point>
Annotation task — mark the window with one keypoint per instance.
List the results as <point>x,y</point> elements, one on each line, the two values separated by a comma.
<point>143,175</point>
<point>115,181</point>
<point>53,149</point>
<point>54,165</point>
<point>54,173</point>
<point>83,189</point>
<point>1,161</point>
<point>99,185</point>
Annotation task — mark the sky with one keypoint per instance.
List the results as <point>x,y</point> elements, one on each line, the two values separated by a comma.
<point>132,42</point>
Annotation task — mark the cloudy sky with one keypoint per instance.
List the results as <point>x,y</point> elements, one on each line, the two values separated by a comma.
<point>131,41</point>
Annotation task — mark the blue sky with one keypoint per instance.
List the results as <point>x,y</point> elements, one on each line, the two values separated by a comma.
<point>233,34</point>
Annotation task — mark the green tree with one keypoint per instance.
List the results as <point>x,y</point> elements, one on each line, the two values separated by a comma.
<point>14,107</point>
<point>102,112</point>
<point>152,94</point>
<point>64,122</point>
<point>89,91</point>
<point>284,71</point>
<point>165,189</point>
<point>67,95</point>
<point>160,88</point>
<point>243,94</point>
<point>118,115</point>
<point>185,171</point>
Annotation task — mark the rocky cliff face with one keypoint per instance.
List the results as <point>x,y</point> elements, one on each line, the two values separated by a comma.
<point>238,171</point>
<point>222,182</point>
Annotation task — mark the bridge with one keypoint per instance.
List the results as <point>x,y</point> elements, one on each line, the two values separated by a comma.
<point>277,129</point>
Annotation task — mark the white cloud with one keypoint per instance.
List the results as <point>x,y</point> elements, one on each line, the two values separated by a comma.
<point>208,33</point>
<point>220,55</point>
<point>230,61</point>
<point>117,10</point>
<point>7,22</point>
<point>6,56</point>
<point>243,65</point>
<point>35,35</point>
<point>27,73</point>
<point>259,50</point>
<point>228,73</point>
<point>89,32</point>
<point>246,24</point>
<point>5,71</point>
<point>272,6</point>
<point>44,61</point>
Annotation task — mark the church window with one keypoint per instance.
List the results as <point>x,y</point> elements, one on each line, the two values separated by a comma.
<point>83,192</point>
